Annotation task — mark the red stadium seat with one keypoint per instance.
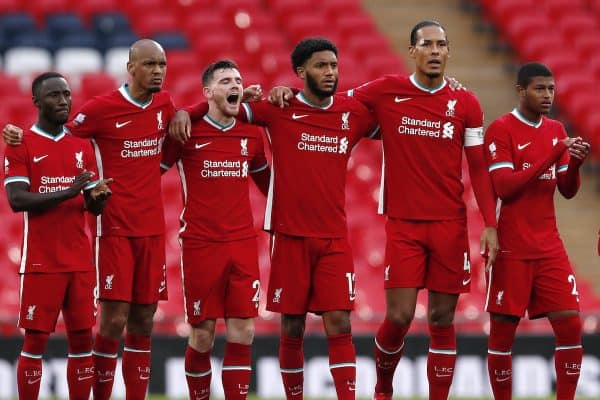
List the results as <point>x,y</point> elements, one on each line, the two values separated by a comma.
<point>574,26</point>
<point>155,22</point>
<point>569,85</point>
<point>95,84</point>
<point>216,45</point>
<point>540,44</point>
<point>87,8</point>
<point>503,11</point>
<point>557,9</point>
<point>349,24</point>
<point>10,6</point>
<point>521,26</point>
<point>41,8</point>
<point>199,21</point>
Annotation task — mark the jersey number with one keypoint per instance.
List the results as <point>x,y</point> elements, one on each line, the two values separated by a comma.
<point>256,286</point>
<point>351,287</point>
<point>574,292</point>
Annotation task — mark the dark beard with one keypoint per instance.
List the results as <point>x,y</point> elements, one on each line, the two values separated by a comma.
<point>314,87</point>
<point>154,89</point>
<point>433,75</point>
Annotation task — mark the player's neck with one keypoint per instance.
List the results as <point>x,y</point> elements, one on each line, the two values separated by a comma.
<point>428,82</point>
<point>49,127</point>
<point>314,99</point>
<point>529,115</point>
<point>219,117</point>
<point>139,94</point>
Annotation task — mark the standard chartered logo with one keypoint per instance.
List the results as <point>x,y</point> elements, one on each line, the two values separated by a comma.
<point>426,127</point>
<point>323,143</point>
<point>448,130</point>
<point>245,169</point>
<point>224,169</point>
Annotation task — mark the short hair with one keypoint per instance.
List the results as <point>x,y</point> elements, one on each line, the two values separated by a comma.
<point>209,72</point>
<point>529,71</point>
<point>37,82</point>
<point>423,24</point>
<point>306,47</point>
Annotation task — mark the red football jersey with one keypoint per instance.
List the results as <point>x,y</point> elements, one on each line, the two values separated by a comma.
<point>311,146</point>
<point>53,240</point>
<point>527,222</point>
<point>423,131</point>
<point>214,166</point>
<point>127,138</point>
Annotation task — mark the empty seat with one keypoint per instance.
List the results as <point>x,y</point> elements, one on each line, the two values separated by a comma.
<point>171,40</point>
<point>61,24</point>
<point>12,24</point>
<point>75,61</point>
<point>119,39</point>
<point>88,8</point>
<point>96,83</point>
<point>23,61</point>
<point>41,8</point>
<point>110,23</point>
<point>155,22</point>
<point>33,39</point>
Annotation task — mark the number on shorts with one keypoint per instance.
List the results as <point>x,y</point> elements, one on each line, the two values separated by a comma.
<point>466,262</point>
<point>574,292</point>
<point>351,287</point>
<point>256,285</point>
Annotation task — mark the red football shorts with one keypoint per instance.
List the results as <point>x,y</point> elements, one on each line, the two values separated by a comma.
<point>43,296</point>
<point>538,286</point>
<point>132,269</point>
<point>220,279</point>
<point>427,254</point>
<point>310,274</point>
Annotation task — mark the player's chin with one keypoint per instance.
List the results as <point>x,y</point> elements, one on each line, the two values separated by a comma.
<point>155,88</point>
<point>433,74</point>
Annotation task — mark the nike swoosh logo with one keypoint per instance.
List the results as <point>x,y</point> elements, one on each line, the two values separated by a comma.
<point>466,281</point>
<point>522,146</point>
<point>572,373</point>
<point>442,375</point>
<point>83,378</point>
<point>401,99</point>
<point>105,380</point>
<point>122,124</point>
<point>38,159</point>
<point>144,377</point>
<point>32,381</point>
<point>294,116</point>
<point>502,379</point>
<point>161,289</point>
<point>199,146</point>
<point>296,393</point>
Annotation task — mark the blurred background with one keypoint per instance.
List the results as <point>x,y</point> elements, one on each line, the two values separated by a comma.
<point>87,41</point>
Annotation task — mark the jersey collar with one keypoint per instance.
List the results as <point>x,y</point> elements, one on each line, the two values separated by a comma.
<point>303,99</point>
<point>124,90</point>
<point>524,120</point>
<point>36,129</point>
<point>413,80</point>
<point>212,122</point>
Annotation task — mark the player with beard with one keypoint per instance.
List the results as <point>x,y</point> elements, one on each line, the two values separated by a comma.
<point>44,178</point>
<point>219,255</point>
<point>311,263</point>
<point>529,157</point>
<point>127,127</point>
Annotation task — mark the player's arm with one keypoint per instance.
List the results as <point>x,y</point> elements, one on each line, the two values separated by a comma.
<point>259,167</point>
<point>568,179</point>
<point>21,199</point>
<point>509,183</point>
<point>171,152</point>
<point>12,135</point>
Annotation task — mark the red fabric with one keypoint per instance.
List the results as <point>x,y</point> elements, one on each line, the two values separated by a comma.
<point>105,363</point>
<point>197,373</point>
<point>502,336</point>
<point>482,184</point>
<point>391,339</point>
<point>80,366</point>
<point>136,366</point>
<point>236,370</point>
<point>567,356</point>
<point>29,366</point>
<point>440,366</point>
<point>569,182</point>
<point>342,364</point>
<point>291,362</point>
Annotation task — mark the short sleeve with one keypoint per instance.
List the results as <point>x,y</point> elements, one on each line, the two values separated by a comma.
<point>171,152</point>
<point>16,165</point>
<point>498,147</point>
<point>259,161</point>
<point>85,123</point>
<point>256,112</point>
<point>368,92</point>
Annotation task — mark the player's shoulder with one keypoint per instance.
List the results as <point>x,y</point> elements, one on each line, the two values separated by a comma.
<point>162,97</point>
<point>550,123</point>
<point>348,103</point>
<point>501,125</point>
<point>247,128</point>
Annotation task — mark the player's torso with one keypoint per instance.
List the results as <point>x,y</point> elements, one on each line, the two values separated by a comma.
<point>216,162</point>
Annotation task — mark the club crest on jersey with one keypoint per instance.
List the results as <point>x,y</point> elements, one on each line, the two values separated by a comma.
<point>277,295</point>
<point>197,307</point>
<point>554,141</point>
<point>244,146</point>
<point>499,297</point>
<point>108,282</point>
<point>79,159</point>
<point>159,120</point>
<point>30,312</point>
<point>450,111</point>
<point>492,148</point>
<point>78,120</point>
<point>345,122</point>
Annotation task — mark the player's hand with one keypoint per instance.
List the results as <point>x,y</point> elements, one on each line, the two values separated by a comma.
<point>180,126</point>
<point>252,93</point>
<point>454,83</point>
<point>101,191</point>
<point>570,141</point>
<point>579,149</point>
<point>79,183</point>
<point>489,244</point>
<point>13,135</point>
<point>280,96</point>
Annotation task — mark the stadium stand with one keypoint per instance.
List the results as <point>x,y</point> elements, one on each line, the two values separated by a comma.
<point>46,34</point>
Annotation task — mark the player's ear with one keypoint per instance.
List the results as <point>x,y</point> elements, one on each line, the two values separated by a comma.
<point>411,51</point>
<point>207,92</point>
<point>130,68</point>
<point>300,72</point>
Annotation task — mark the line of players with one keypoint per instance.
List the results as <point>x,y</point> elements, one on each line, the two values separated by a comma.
<point>424,127</point>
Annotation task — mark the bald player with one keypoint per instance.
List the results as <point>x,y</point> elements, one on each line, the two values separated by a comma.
<point>127,127</point>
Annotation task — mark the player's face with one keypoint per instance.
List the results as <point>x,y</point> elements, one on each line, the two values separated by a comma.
<point>54,100</point>
<point>320,72</point>
<point>430,51</point>
<point>225,91</point>
<point>149,68</point>
<point>538,96</point>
